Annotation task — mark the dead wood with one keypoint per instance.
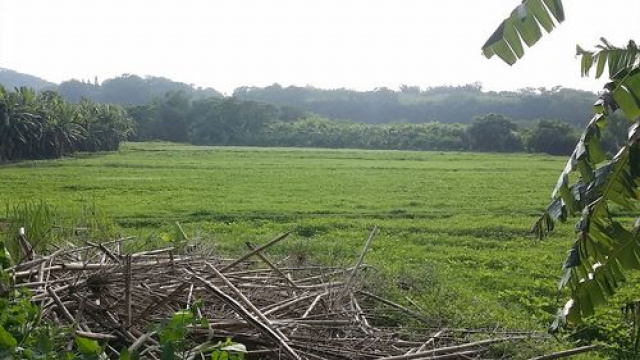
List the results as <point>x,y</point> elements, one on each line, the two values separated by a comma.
<point>275,308</point>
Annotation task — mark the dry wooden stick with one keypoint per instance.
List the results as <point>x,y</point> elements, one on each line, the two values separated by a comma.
<point>140,341</point>
<point>244,299</point>
<point>240,310</point>
<point>458,355</point>
<point>289,303</point>
<point>189,295</point>
<point>96,336</point>
<point>314,303</point>
<point>153,252</point>
<point>108,253</point>
<point>567,353</point>
<point>272,266</point>
<point>431,340</point>
<point>26,248</point>
<point>127,289</point>
<point>65,312</point>
<point>359,313</point>
<point>452,349</point>
<point>367,245</point>
<point>255,251</point>
<point>395,305</point>
<point>162,302</point>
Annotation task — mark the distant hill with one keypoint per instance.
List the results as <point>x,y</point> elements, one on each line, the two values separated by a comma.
<point>409,104</point>
<point>447,104</point>
<point>129,89</point>
<point>11,79</point>
<point>126,89</point>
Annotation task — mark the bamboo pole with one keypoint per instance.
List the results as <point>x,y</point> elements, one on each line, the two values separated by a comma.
<point>272,266</point>
<point>452,350</point>
<point>240,310</point>
<point>255,251</point>
<point>367,245</point>
<point>567,353</point>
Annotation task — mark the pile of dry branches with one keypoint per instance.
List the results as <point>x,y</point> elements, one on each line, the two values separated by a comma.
<point>277,311</point>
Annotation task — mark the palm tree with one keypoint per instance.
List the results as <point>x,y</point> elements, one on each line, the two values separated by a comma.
<point>20,123</point>
<point>36,126</point>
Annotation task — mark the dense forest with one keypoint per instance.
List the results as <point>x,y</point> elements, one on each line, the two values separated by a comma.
<point>411,104</point>
<point>67,117</point>
<point>231,121</point>
<point>445,104</point>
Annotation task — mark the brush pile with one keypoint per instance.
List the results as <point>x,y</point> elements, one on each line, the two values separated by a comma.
<point>275,310</point>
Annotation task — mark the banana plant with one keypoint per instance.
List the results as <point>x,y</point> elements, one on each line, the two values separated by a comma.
<point>523,28</point>
<point>606,247</point>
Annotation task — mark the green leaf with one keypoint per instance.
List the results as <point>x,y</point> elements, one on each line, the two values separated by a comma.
<point>44,344</point>
<point>615,59</point>
<point>541,14</point>
<point>204,322</point>
<point>87,346</point>
<point>555,7</point>
<point>181,318</point>
<point>168,351</point>
<point>7,341</point>
<point>125,354</point>
<point>523,26</point>
<point>219,355</point>
<point>513,39</point>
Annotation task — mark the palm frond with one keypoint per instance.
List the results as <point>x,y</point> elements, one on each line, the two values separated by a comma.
<point>613,59</point>
<point>604,248</point>
<point>523,27</point>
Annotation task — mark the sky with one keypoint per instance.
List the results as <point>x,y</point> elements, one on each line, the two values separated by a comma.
<point>355,44</point>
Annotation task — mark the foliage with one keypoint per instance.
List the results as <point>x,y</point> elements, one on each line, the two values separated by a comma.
<point>494,132</point>
<point>551,137</point>
<point>43,125</point>
<point>609,57</point>
<point>319,132</point>
<point>36,219</point>
<point>606,189</point>
<point>445,104</point>
<point>230,121</point>
<point>173,338</point>
<point>23,336</point>
<point>605,193</point>
<point>606,246</point>
<point>522,27</point>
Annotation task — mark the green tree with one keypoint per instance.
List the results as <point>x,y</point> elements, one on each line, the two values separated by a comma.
<point>552,137</point>
<point>494,132</point>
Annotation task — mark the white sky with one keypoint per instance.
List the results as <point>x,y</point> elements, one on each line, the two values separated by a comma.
<point>358,44</point>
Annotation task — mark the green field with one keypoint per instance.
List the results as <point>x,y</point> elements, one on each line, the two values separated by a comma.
<point>454,226</point>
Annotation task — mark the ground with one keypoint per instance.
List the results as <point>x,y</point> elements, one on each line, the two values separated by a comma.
<point>454,227</point>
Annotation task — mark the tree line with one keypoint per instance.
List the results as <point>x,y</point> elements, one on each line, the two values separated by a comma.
<point>411,104</point>
<point>445,104</point>
<point>42,125</point>
<point>232,121</point>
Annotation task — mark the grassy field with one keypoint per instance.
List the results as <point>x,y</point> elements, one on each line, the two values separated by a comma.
<point>454,226</point>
